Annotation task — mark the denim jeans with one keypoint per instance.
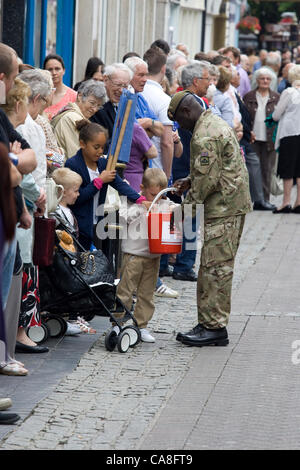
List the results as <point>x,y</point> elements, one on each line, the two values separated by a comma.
<point>186,259</point>
<point>164,262</point>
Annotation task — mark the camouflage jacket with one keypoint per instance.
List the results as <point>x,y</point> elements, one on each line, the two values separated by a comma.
<point>219,177</point>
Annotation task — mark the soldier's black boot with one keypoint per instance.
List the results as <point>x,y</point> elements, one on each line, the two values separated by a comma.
<point>205,337</point>
<point>193,331</point>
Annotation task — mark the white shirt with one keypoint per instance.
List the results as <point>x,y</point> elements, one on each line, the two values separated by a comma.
<point>68,214</point>
<point>237,117</point>
<point>34,134</point>
<point>287,112</point>
<point>94,174</point>
<point>133,218</point>
<point>259,126</point>
<point>158,102</point>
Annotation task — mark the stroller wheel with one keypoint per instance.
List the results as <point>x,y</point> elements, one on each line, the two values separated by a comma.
<point>134,334</point>
<point>123,342</point>
<point>38,334</point>
<point>111,340</point>
<point>57,326</point>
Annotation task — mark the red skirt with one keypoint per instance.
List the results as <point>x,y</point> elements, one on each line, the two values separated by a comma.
<point>30,314</point>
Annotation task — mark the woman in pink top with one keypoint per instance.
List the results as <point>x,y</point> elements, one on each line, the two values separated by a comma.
<point>63,94</point>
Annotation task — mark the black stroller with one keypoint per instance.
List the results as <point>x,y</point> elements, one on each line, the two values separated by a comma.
<point>82,281</point>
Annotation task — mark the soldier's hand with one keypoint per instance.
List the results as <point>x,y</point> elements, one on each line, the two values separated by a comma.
<point>182,185</point>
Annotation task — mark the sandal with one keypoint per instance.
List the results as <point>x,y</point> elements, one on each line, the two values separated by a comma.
<point>12,368</point>
<point>14,361</point>
<point>84,326</point>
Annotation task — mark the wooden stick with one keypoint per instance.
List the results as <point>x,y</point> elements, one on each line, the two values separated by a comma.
<point>112,161</point>
<point>110,156</point>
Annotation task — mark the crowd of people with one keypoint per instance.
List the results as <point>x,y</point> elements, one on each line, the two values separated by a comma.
<point>50,130</point>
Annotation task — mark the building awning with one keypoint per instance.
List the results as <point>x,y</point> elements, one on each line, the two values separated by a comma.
<point>193,4</point>
<point>213,7</point>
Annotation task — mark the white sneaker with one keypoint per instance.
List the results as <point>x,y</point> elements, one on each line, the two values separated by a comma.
<point>165,291</point>
<point>146,337</point>
<point>72,329</point>
<point>5,403</point>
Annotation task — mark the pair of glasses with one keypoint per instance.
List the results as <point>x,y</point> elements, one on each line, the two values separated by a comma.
<point>94,105</point>
<point>118,85</point>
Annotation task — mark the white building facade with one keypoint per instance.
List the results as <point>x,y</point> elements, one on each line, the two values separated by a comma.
<point>110,28</point>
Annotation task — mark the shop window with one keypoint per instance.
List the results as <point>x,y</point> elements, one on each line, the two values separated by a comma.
<point>51,27</point>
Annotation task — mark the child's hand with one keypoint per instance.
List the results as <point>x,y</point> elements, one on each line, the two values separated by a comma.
<point>15,147</point>
<point>147,204</point>
<point>108,176</point>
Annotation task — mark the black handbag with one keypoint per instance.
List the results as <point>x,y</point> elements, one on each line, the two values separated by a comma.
<point>72,271</point>
<point>69,284</point>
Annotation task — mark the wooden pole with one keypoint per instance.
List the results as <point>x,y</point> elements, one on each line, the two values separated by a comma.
<point>110,156</point>
<point>112,159</point>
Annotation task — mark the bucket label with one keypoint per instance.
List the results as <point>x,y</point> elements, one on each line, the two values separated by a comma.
<point>170,237</point>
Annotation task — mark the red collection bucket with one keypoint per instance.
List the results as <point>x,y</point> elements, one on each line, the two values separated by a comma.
<point>164,237</point>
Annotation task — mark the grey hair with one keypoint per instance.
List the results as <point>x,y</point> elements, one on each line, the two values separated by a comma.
<point>171,75</point>
<point>37,82</point>
<point>264,71</point>
<point>132,63</point>
<point>214,70</point>
<point>172,58</point>
<point>191,71</point>
<point>177,51</point>
<point>112,69</point>
<point>294,75</point>
<point>273,59</point>
<point>92,88</point>
<point>47,75</point>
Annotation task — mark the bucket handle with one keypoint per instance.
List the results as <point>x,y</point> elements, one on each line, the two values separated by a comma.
<point>163,191</point>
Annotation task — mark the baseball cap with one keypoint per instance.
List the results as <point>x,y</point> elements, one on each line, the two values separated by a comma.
<point>175,102</point>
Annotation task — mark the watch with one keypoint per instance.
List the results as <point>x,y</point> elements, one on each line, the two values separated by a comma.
<point>14,158</point>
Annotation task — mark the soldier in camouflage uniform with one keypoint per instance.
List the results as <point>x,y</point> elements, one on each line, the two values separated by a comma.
<point>219,180</point>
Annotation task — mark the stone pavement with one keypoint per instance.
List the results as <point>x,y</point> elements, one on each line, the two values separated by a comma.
<point>169,396</point>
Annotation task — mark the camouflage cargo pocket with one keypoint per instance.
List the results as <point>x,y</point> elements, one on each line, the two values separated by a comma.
<point>217,247</point>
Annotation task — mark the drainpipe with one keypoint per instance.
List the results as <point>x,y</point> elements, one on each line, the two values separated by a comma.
<point>203,26</point>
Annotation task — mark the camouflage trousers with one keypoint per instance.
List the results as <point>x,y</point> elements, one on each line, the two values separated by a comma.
<point>221,241</point>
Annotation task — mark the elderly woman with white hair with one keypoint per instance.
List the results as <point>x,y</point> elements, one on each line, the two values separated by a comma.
<point>260,104</point>
<point>176,59</point>
<point>91,96</point>
<point>287,114</point>
<point>273,63</point>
